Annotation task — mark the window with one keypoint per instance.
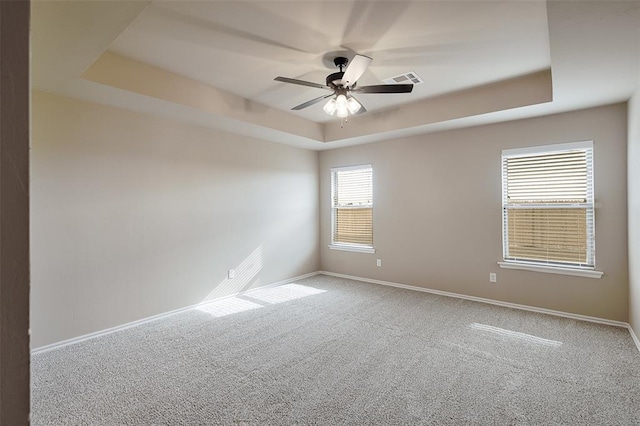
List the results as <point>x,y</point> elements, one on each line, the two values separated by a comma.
<point>548,206</point>
<point>352,208</point>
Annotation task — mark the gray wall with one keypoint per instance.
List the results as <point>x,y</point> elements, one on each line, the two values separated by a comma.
<point>134,215</point>
<point>633,153</point>
<point>437,212</point>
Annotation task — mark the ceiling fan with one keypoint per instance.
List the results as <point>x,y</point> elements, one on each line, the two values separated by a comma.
<point>342,84</point>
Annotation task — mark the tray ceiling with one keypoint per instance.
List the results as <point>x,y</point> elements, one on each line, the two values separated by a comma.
<point>214,62</point>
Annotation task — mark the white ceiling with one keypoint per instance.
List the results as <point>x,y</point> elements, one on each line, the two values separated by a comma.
<point>213,62</point>
<point>242,46</point>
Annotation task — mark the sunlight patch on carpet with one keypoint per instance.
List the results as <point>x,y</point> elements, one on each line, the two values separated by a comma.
<point>284,293</point>
<point>268,296</point>
<point>515,335</point>
<point>228,306</point>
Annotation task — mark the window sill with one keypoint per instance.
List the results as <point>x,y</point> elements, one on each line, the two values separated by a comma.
<point>552,269</point>
<point>357,249</point>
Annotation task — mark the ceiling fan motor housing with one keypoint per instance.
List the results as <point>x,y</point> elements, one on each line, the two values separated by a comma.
<point>333,80</point>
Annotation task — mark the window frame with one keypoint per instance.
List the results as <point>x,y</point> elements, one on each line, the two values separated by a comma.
<point>354,247</point>
<point>549,266</point>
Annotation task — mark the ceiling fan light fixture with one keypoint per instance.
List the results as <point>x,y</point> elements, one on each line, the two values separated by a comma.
<point>353,105</point>
<point>342,107</point>
<point>330,107</point>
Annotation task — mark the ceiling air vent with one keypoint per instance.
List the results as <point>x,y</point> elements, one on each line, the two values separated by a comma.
<point>408,78</point>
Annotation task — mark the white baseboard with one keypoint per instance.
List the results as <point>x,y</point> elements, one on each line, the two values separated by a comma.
<point>579,317</point>
<point>483,300</point>
<point>634,337</point>
<point>84,337</point>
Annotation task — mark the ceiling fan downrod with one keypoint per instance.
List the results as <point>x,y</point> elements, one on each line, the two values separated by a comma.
<point>334,80</point>
<point>340,62</point>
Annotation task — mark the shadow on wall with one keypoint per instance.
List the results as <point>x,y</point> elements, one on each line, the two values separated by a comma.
<point>246,276</point>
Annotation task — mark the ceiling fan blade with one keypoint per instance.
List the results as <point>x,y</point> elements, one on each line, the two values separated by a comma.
<point>311,102</point>
<point>385,88</point>
<point>302,83</point>
<point>355,69</point>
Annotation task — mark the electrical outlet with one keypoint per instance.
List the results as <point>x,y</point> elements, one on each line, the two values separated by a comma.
<point>492,277</point>
<point>379,262</point>
<point>231,274</point>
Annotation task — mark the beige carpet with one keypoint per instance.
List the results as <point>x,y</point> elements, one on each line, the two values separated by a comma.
<point>330,351</point>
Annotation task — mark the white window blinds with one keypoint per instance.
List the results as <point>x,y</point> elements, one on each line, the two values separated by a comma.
<point>548,205</point>
<point>352,206</point>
